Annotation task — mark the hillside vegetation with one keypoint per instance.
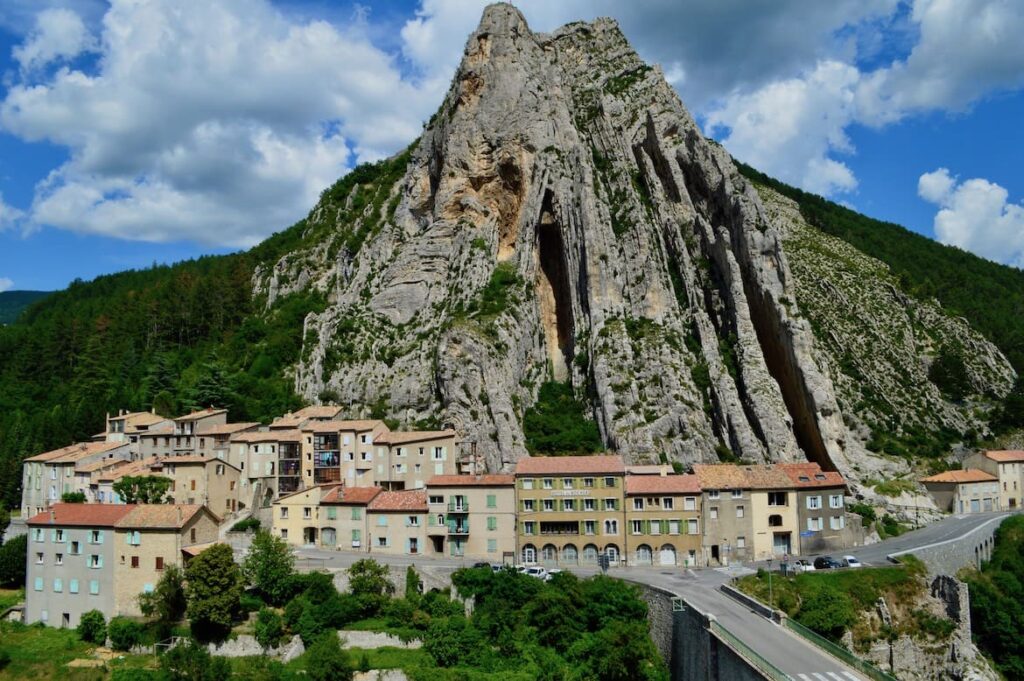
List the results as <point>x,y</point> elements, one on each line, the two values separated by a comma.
<point>13,302</point>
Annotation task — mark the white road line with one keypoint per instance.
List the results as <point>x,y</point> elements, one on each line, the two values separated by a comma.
<point>947,541</point>
<point>835,676</point>
<point>850,676</point>
<point>819,676</point>
<point>804,677</point>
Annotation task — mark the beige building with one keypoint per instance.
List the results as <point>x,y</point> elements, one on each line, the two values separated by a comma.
<point>1008,467</point>
<point>215,440</point>
<point>663,519</point>
<point>131,426</point>
<point>343,520</point>
<point>968,491</point>
<point>297,419</point>
<point>147,540</point>
<point>824,523</point>
<point>339,451</point>
<point>50,475</point>
<point>472,516</point>
<point>405,460</point>
<point>396,523</point>
<point>204,481</point>
<point>296,516</point>
<point>182,437</point>
<point>570,509</point>
<point>270,464</point>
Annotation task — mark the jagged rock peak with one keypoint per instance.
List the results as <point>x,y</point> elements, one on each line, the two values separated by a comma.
<point>562,217</point>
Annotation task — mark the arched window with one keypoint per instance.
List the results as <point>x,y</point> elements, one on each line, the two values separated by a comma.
<point>775,520</point>
<point>644,555</point>
<point>569,554</point>
<point>529,554</point>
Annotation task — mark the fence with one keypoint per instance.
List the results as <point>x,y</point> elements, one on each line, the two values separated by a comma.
<point>838,651</point>
<point>761,664</point>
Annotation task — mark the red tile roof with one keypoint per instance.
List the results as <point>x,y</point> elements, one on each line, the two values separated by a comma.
<point>405,437</point>
<point>82,515</point>
<point>471,481</point>
<point>811,475</point>
<point>662,484</point>
<point>408,500</point>
<point>202,413</point>
<point>731,476</point>
<point>268,436</point>
<point>306,413</point>
<point>1006,456</point>
<point>225,428</point>
<point>570,465</point>
<point>356,496</point>
<point>159,516</point>
<point>338,426</point>
<point>964,476</point>
<point>74,452</point>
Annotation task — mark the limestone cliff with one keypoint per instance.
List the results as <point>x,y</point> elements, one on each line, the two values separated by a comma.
<point>562,216</point>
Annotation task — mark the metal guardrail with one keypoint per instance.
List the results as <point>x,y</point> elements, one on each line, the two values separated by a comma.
<point>838,651</point>
<point>760,663</point>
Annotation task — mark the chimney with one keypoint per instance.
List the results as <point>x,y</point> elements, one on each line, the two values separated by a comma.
<point>53,516</point>
<point>179,514</point>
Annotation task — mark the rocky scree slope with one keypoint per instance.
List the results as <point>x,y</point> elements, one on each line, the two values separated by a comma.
<point>562,217</point>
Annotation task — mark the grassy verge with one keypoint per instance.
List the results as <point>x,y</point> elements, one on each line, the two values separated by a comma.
<point>9,597</point>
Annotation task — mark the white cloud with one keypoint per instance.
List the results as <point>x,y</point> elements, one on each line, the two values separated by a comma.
<point>8,214</point>
<point>976,216</point>
<point>5,284</point>
<point>59,34</point>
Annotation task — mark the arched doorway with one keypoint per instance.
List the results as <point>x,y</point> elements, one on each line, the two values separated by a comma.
<point>668,555</point>
<point>549,555</point>
<point>529,554</point>
<point>570,556</point>
<point>643,555</point>
<point>612,551</point>
<point>590,554</point>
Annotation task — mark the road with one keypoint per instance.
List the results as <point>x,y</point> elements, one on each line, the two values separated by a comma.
<point>944,530</point>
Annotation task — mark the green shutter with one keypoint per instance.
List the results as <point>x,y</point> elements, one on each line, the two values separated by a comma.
<point>492,501</point>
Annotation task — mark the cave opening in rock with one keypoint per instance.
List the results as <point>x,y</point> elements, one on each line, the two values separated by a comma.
<point>553,290</point>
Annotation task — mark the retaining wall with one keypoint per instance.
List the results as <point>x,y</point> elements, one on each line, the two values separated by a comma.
<point>950,556</point>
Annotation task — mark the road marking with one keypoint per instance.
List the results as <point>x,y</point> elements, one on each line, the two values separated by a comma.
<point>804,677</point>
<point>835,676</point>
<point>819,676</point>
<point>852,677</point>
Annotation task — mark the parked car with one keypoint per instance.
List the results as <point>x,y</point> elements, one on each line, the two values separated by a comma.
<point>481,565</point>
<point>802,565</point>
<point>520,568</point>
<point>851,562</point>
<point>536,571</point>
<point>498,567</point>
<point>552,572</point>
<point>826,563</point>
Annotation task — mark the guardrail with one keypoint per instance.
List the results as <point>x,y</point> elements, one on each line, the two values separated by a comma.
<point>760,663</point>
<point>838,651</point>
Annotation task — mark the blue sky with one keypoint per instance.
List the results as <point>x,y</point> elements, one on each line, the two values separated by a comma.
<point>133,133</point>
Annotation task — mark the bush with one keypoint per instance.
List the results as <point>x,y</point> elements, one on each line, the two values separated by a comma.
<point>269,566</point>
<point>828,612</point>
<point>12,561</point>
<point>557,423</point>
<point>124,633</point>
<point>269,628</point>
<point>5,659</point>
<point>326,661</point>
<point>73,497</point>
<point>246,525</point>
<point>193,662</point>
<point>452,641</point>
<point>865,511</point>
<point>250,603</point>
<point>92,627</point>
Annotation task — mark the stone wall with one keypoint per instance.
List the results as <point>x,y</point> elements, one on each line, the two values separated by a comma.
<point>950,556</point>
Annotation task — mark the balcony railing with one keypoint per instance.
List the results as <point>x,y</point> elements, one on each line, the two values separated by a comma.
<point>322,475</point>
<point>458,507</point>
<point>458,528</point>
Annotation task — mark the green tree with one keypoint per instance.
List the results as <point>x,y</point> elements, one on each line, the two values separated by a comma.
<point>452,641</point>
<point>557,423</point>
<point>950,375</point>
<point>12,561</point>
<point>269,566</point>
<point>621,651</point>
<point>269,628</point>
<point>368,582</point>
<point>326,661</point>
<point>167,602</point>
<point>92,627</point>
<point>413,585</point>
<point>214,592</point>
<point>73,497</point>
<point>828,612</point>
<point>143,489</point>
<point>192,662</point>
<point>556,619</point>
<point>124,633</point>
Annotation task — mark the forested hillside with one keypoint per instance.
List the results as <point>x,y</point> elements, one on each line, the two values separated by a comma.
<point>13,302</point>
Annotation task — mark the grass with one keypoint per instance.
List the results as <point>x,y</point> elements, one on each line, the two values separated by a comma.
<point>9,597</point>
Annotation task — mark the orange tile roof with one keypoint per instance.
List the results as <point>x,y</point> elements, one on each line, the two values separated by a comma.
<point>323,487</point>
<point>225,428</point>
<point>193,458</point>
<point>1005,456</point>
<point>101,465</point>
<point>268,436</point>
<point>73,453</point>
<point>159,516</point>
<point>490,480</point>
<point>406,500</point>
<point>405,437</point>
<point>662,484</point>
<point>959,477</point>
<point>137,419</point>
<point>167,430</point>
<point>732,476</point>
<point>336,426</point>
<point>568,465</point>
<point>202,413</point>
<point>359,496</point>
<point>315,412</point>
<point>82,515</point>
<point>650,469</point>
<point>143,467</point>
<point>196,549</point>
<point>815,477</point>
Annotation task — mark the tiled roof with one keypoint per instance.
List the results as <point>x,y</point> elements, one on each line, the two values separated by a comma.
<point>322,487</point>
<point>82,515</point>
<point>202,413</point>
<point>137,419</point>
<point>268,436</point>
<point>471,481</point>
<point>958,477</point>
<point>811,475</point>
<point>1006,456</point>
<point>225,428</point>
<point>662,484</point>
<point>167,430</point>
<point>407,500</point>
<point>74,452</point>
<point>159,516</point>
<point>651,469</point>
<point>732,476</point>
<point>101,465</point>
<point>350,495</point>
<point>568,465</point>
<point>297,417</point>
<point>196,549</point>
<point>337,426</point>
<point>143,467</point>
<point>404,437</point>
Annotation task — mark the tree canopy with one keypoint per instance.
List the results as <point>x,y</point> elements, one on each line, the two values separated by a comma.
<point>214,592</point>
<point>143,489</point>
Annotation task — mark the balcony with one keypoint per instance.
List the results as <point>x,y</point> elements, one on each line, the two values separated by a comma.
<point>326,475</point>
<point>287,485</point>
<point>458,528</point>
<point>458,506</point>
<point>289,467</point>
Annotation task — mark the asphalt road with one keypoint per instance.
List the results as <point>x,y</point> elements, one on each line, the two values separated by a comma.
<point>944,530</point>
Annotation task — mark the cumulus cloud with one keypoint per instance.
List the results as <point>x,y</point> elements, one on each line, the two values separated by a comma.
<point>5,284</point>
<point>59,34</point>
<point>976,216</point>
<point>8,214</point>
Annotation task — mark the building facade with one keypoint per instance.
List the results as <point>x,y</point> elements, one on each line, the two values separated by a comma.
<point>966,491</point>
<point>203,481</point>
<point>396,523</point>
<point>48,476</point>
<point>472,516</point>
<point>663,520</point>
<point>1008,467</point>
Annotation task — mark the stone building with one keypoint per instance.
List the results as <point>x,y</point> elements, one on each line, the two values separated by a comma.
<point>344,517</point>
<point>201,480</point>
<point>472,516</point>
<point>396,523</point>
<point>824,524</point>
<point>50,475</point>
<point>663,520</point>
<point>966,491</point>
<point>570,509</point>
<point>131,426</point>
<point>182,437</point>
<point>269,462</point>
<point>1008,467</point>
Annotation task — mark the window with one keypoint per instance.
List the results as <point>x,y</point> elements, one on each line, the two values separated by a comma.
<point>566,483</point>
<point>739,511</point>
<point>713,494</point>
<point>741,542</point>
<point>192,485</point>
<point>135,561</point>
<point>192,535</point>
<point>39,558</point>
<point>492,501</point>
<point>777,498</point>
<point>159,563</point>
<point>284,513</point>
<point>284,533</point>
<point>549,504</point>
<point>382,542</point>
<point>332,513</point>
<point>568,505</point>
<point>412,521</point>
<point>37,535</point>
<point>58,585</point>
<point>134,537</point>
<point>609,482</point>
<point>690,504</point>
<point>528,505</point>
<point>638,527</point>
<point>691,526</point>
<point>588,482</point>
<point>673,527</point>
<point>307,512</point>
<point>837,522</point>
<point>95,561</point>
<point>38,585</point>
<point>528,527</point>
<point>357,513</point>
<point>527,483</point>
<point>147,588</point>
<point>589,527</point>
<point>655,527</point>
<point>73,586</point>
<point>357,538</point>
<point>58,536</point>
<point>813,502</point>
<point>737,494</point>
<point>492,546</point>
<point>232,486</point>
<point>382,521</point>
<point>589,505</point>
<point>94,586</point>
<point>492,523</point>
<point>814,524</point>
<point>436,499</point>
<point>775,520</point>
<point>549,483</point>
<point>58,559</point>
<point>835,501</point>
<point>638,504</point>
<point>667,503</point>
<point>96,537</point>
<point>610,504</point>
<point>611,527</point>
<point>713,512</point>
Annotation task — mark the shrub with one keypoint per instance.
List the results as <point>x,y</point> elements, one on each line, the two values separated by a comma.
<point>12,561</point>
<point>5,659</point>
<point>124,633</point>
<point>557,423</point>
<point>92,627</point>
<point>326,661</point>
<point>828,612</point>
<point>269,566</point>
<point>452,641</point>
<point>73,497</point>
<point>246,525</point>
<point>193,662</point>
<point>269,628</point>
<point>865,511</point>
<point>250,603</point>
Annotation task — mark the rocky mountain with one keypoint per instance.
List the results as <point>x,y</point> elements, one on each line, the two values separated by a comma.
<point>563,218</point>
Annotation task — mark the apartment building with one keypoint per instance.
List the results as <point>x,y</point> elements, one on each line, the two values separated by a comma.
<point>1008,467</point>
<point>147,540</point>
<point>396,523</point>
<point>130,426</point>
<point>339,451</point>
<point>49,475</point>
<point>182,437</point>
<point>570,509</point>
<point>967,491</point>
<point>296,419</point>
<point>405,460</point>
<point>750,512</point>
<point>663,519</point>
<point>472,516</point>
<point>215,440</point>
<point>270,463</point>
<point>70,562</point>
<point>824,524</point>
<point>101,482</point>
<point>201,480</point>
<point>344,522</point>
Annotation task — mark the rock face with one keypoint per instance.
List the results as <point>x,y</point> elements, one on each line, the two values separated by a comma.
<point>562,217</point>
